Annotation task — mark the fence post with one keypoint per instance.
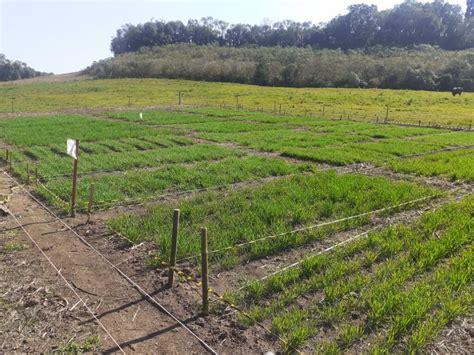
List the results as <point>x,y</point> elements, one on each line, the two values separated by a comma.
<point>386,114</point>
<point>204,273</point>
<point>419,123</point>
<point>279,110</point>
<point>36,175</point>
<point>27,173</point>
<point>174,247</point>
<point>11,159</point>
<point>91,200</point>
<point>74,182</point>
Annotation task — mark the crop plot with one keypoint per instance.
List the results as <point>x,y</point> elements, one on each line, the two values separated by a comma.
<point>453,165</point>
<point>274,208</point>
<point>391,290</point>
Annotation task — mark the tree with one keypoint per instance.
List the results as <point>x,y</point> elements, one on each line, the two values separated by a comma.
<point>470,9</point>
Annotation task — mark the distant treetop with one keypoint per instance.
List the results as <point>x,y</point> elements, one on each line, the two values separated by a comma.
<point>14,70</point>
<point>408,24</point>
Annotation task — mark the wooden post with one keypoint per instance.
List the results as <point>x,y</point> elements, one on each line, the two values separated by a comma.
<point>323,110</point>
<point>27,173</point>
<point>419,123</point>
<point>74,182</point>
<point>174,247</point>
<point>279,110</point>
<point>36,175</point>
<point>11,159</point>
<point>179,98</point>
<point>91,200</point>
<point>204,273</point>
<point>6,156</point>
<point>386,115</point>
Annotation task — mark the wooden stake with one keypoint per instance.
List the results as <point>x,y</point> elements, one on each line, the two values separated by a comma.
<point>74,182</point>
<point>419,123</point>
<point>386,115</point>
<point>279,110</point>
<point>27,173</point>
<point>179,98</point>
<point>174,247</point>
<point>204,273</point>
<point>6,155</point>
<point>91,200</point>
<point>36,175</point>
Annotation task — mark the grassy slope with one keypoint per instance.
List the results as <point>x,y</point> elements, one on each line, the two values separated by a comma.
<point>408,106</point>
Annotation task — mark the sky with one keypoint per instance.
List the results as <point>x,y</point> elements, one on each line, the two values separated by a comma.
<point>63,36</point>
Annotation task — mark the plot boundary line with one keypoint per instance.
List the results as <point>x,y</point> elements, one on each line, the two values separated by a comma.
<point>126,277</point>
<point>323,224</point>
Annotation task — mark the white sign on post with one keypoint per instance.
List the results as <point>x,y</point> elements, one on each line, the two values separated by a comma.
<point>72,148</point>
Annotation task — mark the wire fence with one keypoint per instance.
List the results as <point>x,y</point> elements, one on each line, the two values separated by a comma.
<point>126,277</point>
<point>315,226</point>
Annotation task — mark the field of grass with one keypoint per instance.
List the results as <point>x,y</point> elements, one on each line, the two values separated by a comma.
<point>392,291</point>
<point>453,165</point>
<point>273,208</point>
<point>360,104</point>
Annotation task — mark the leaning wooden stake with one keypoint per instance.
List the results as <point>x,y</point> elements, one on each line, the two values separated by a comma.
<point>74,182</point>
<point>174,247</point>
<point>204,272</point>
<point>91,200</point>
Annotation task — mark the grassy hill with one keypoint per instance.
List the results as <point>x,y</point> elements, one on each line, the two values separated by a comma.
<point>359,104</point>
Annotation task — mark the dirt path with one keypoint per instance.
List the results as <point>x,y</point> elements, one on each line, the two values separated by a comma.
<point>119,307</point>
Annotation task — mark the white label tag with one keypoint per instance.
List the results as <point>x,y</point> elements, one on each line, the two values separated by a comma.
<point>71,148</point>
<point>141,115</point>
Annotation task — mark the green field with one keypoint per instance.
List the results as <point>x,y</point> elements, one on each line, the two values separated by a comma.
<point>392,291</point>
<point>265,185</point>
<point>359,104</point>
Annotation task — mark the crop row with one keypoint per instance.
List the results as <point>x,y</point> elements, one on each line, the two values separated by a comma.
<point>135,185</point>
<point>403,283</point>
<point>455,165</point>
<point>56,129</point>
<point>275,207</point>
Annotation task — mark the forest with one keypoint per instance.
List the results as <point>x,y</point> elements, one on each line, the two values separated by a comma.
<point>420,68</point>
<point>414,45</point>
<point>15,70</point>
<point>410,23</point>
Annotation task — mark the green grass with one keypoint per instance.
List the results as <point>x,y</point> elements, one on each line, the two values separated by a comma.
<point>378,290</point>
<point>455,165</point>
<point>114,189</point>
<point>56,129</point>
<point>362,104</point>
<point>51,164</point>
<point>275,207</point>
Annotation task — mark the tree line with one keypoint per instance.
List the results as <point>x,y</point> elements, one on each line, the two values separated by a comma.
<point>15,70</point>
<point>422,67</point>
<point>410,23</point>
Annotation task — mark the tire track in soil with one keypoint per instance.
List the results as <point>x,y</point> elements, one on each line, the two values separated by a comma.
<point>132,321</point>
